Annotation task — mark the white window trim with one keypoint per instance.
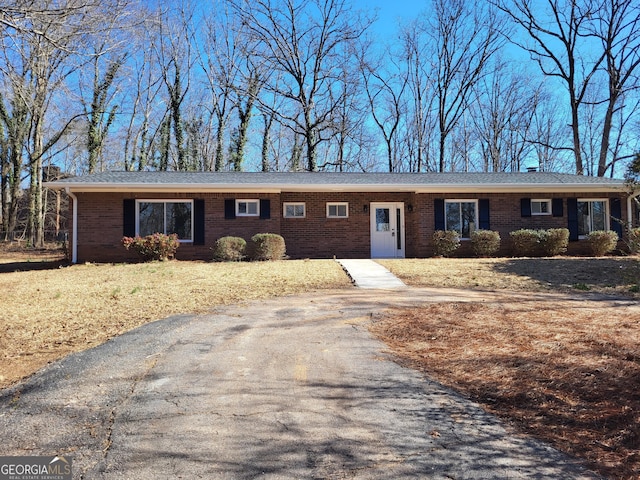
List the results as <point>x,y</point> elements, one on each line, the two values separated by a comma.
<point>247,201</point>
<point>541,200</point>
<point>337,204</point>
<point>607,216</point>
<point>462,200</point>
<point>164,201</point>
<point>294,204</point>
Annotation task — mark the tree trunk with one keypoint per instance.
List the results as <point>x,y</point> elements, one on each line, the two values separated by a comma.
<point>219,165</point>
<point>268,122</point>
<point>577,146</point>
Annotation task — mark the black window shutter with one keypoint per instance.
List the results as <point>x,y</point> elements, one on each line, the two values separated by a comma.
<point>615,210</point>
<point>198,221</point>
<point>129,217</point>
<point>229,208</point>
<point>483,214</point>
<point>525,207</point>
<point>572,218</point>
<point>438,207</point>
<point>265,208</point>
<point>557,207</point>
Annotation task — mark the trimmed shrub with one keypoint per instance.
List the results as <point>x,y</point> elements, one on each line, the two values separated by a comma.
<point>229,249</point>
<point>157,246</point>
<point>602,242</point>
<point>485,243</point>
<point>525,242</point>
<point>445,242</point>
<point>267,246</point>
<point>554,241</point>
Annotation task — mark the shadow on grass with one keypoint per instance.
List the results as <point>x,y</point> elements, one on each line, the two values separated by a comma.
<point>28,266</point>
<point>578,273</point>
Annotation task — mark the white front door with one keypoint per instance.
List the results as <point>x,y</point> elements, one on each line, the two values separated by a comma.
<point>387,230</point>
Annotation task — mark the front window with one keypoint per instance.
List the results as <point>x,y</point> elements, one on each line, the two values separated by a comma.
<point>540,207</point>
<point>592,216</point>
<point>461,216</point>
<point>293,210</point>
<point>247,208</point>
<point>337,210</point>
<point>168,217</point>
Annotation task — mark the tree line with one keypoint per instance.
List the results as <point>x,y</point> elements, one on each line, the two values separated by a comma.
<point>295,85</point>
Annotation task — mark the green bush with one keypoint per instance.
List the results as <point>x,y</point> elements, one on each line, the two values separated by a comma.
<point>157,246</point>
<point>229,249</point>
<point>267,246</point>
<point>445,242</point>
<point>525,242</point>
<point>602,242</point>
<point>485,243</point>
<point>554,241</point>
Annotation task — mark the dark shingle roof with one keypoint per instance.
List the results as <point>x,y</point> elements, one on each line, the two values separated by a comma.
<point>317,181</point>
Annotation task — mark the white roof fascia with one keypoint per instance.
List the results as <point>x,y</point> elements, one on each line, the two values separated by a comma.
<point>359,188</point>
<point>520,188</point>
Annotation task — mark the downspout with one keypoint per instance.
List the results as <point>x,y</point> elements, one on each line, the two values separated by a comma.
<point>630,208</point>
<point>74,235</point>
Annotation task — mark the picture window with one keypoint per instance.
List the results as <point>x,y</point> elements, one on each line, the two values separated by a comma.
<point>167,217</point>
<point>461,216</point>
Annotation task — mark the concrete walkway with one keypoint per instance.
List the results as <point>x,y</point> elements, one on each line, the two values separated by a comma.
<point>369,274</point>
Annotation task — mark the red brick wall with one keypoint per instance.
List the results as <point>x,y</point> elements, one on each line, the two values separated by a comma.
<point>505,217</point>
<point>100,221</point>
<point>100,224</point>
<point>317,236</point>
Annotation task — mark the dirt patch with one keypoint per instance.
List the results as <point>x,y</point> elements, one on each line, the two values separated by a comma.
<point>566,372</point>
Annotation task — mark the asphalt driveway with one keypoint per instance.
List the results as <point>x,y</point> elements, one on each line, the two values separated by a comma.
<point>292,388</point>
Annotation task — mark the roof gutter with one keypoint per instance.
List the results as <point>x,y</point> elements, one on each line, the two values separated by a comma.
<point>334,187</point>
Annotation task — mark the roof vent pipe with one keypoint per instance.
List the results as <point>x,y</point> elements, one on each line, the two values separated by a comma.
<point>532,169</point>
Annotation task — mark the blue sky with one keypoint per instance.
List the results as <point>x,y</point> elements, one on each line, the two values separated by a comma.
<point>390,13</point>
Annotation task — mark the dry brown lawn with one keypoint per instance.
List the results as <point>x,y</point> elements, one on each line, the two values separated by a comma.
<point>608,275</point>
<point>49,310</point>
<point>564,371</point>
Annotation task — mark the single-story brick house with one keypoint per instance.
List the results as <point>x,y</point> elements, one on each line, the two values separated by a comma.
<point>322,215</point>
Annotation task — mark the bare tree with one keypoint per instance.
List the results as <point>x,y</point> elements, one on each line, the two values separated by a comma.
<point>142,97</point>
<point>559,34</point>
<point>220,59</point>
<point>416,49</point>
<point>547,135</point>
<point>15,128</point>
<point>302,40</point>
<point>385,91</point>
<point>37,66</point>
<point>43,44</point>
<point>616,24</point>
<point>465,35</point>
<point>100,117</point>
<point>172,45</point>
<point>502,115</point>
